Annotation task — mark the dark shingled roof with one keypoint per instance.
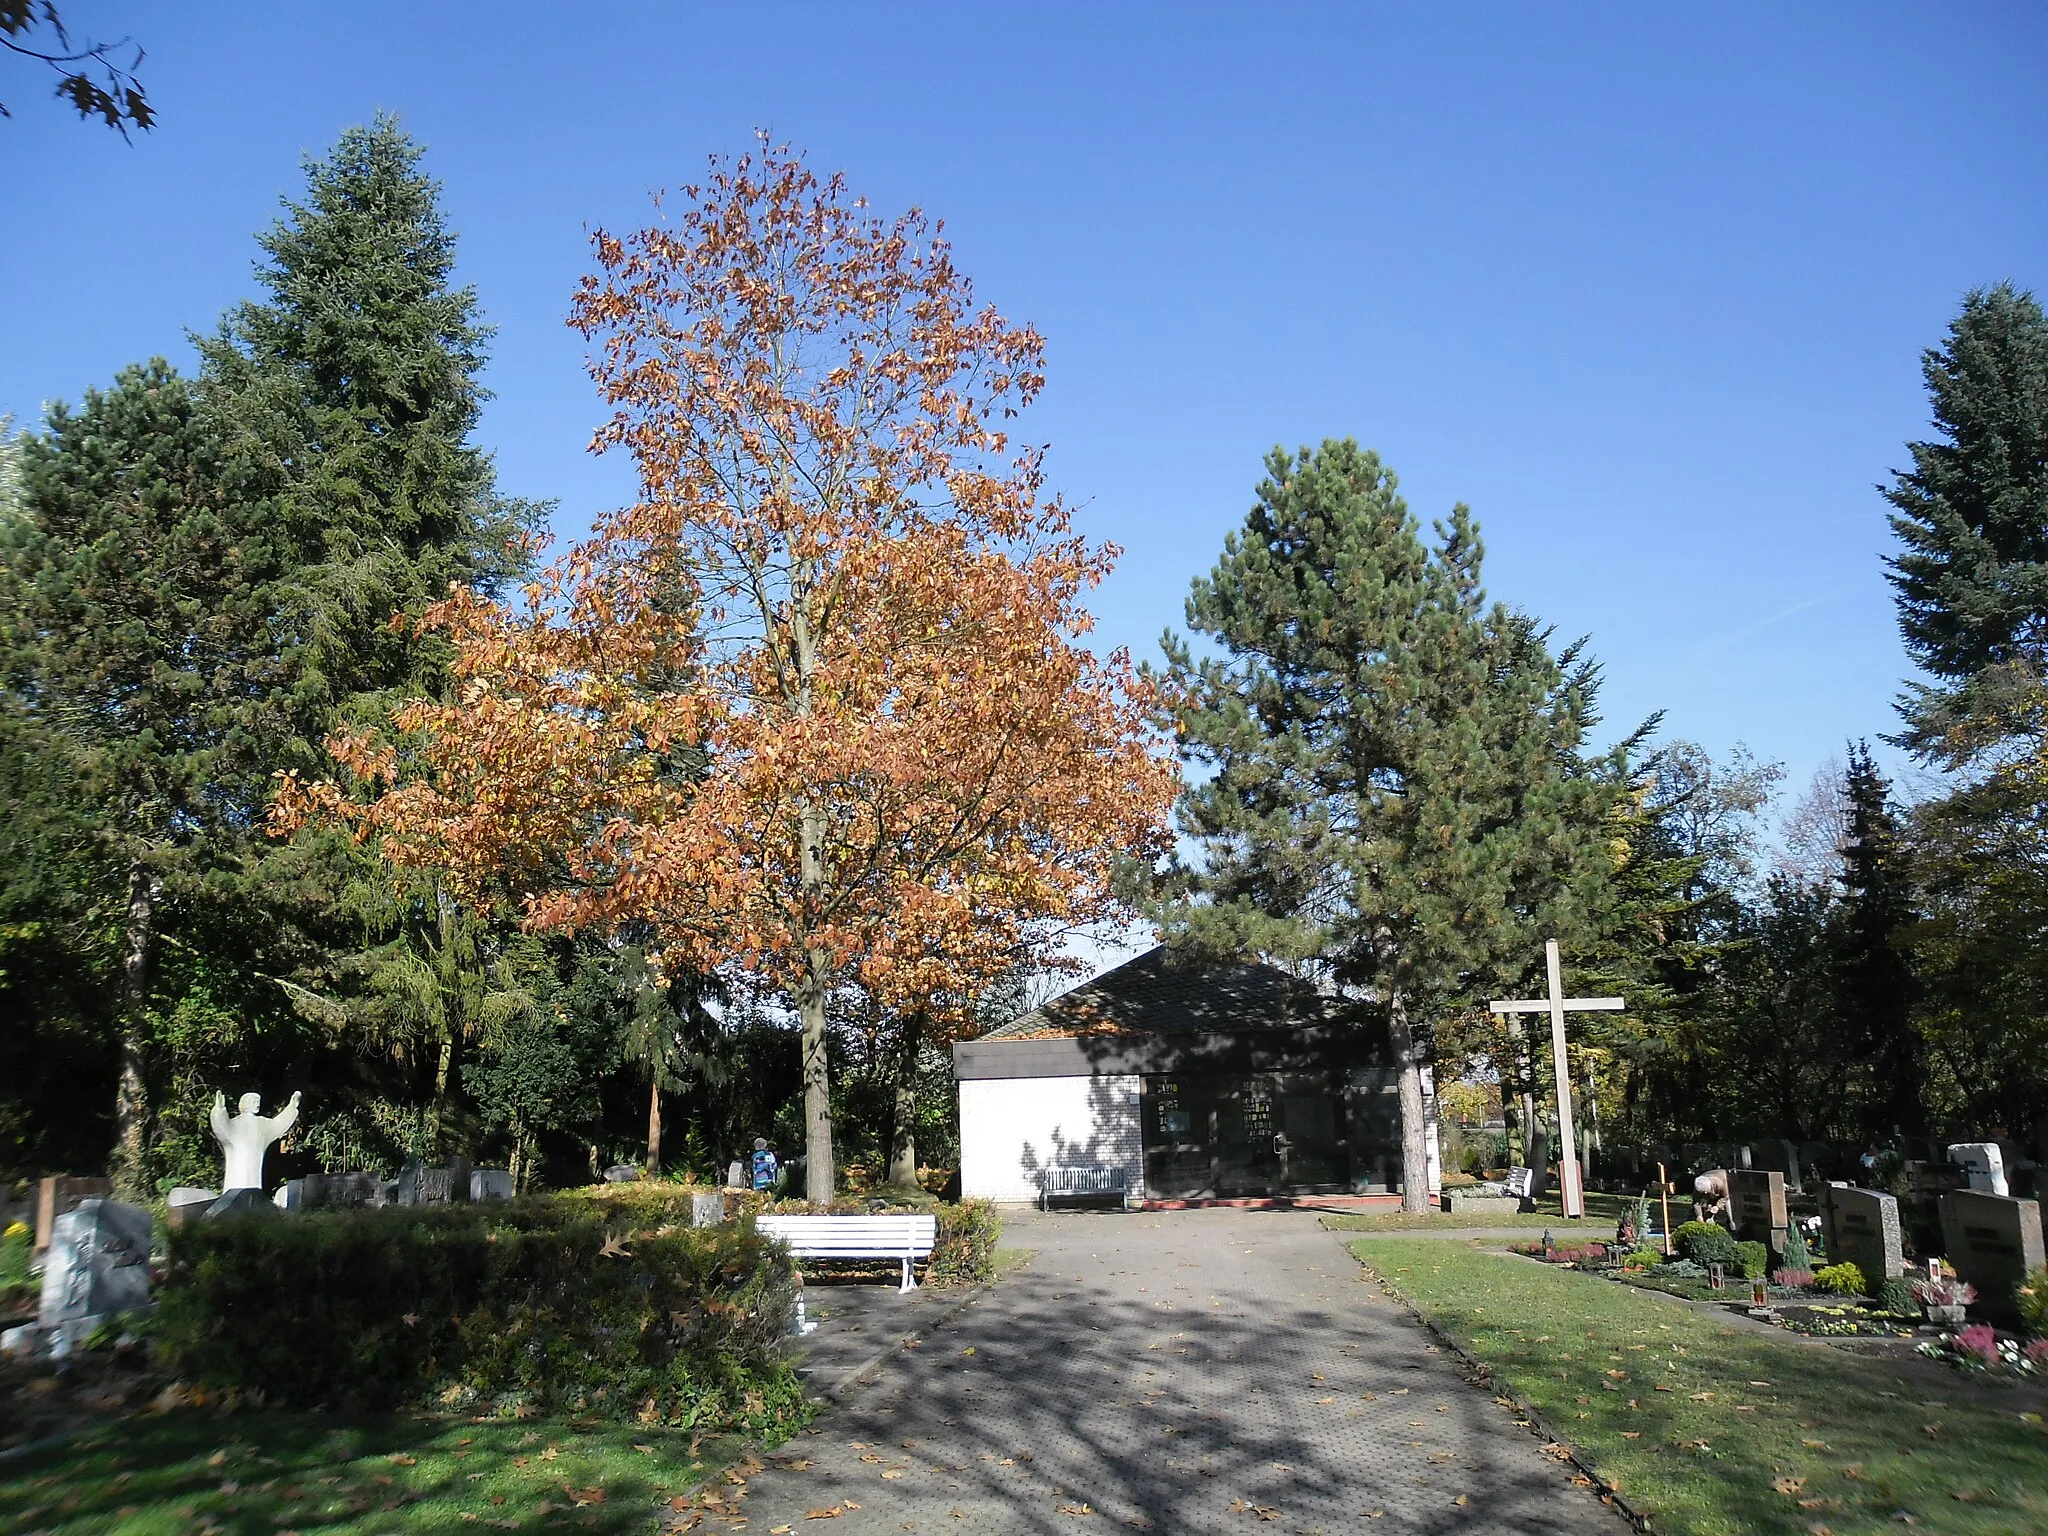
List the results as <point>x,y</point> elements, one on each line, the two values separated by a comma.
<point>1159,993</point>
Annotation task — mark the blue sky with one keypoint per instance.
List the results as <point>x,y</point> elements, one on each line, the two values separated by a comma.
<point>1646,286</point>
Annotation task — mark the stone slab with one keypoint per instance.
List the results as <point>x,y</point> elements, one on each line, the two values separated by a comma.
<point>239,1202</point>
<point>707,1207</point>
<point>60,1193</point>
<point>1756,1206</point>
<point>1992,1241</point>
<point>97,1264</point>
<point>490,1184</point>
<point>1861,1227</point>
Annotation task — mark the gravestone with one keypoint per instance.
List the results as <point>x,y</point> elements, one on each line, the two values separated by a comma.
<point>624,1173</point>
<point>1992,1241</point>
<point>707,1207</point>
<point>459,1170</point>
<point>59,1194</point>
<point>239,1202</point>
<point>1756,1207</point>
<point>408,1187</point>
<point>490,1184</point>
<point>1861,1227</point>
<point>187,1202</point>
<point>735,1176</point>
<point>96,1268</point>
<point>1782,1155</point>
<point>1983,1164</point>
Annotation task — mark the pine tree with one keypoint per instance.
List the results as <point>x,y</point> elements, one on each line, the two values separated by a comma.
<point>138,644</point>
<point>345,402</point>
<point>1396,795</point>
<point>1875,984</point>
<point>1972,583</point>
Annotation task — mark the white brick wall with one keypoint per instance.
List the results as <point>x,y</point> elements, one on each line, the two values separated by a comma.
<point>1012,1126</point>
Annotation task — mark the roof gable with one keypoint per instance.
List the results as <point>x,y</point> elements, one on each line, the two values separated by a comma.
<point>1162,993</point>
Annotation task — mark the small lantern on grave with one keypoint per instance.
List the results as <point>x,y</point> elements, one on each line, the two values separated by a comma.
<point>1717,1277</point>
<point>1759,1292</point>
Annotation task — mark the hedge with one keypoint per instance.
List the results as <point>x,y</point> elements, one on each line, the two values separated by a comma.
<point>537,1306</point>
<point>963,1254</point>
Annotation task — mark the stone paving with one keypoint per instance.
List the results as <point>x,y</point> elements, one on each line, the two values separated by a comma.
<point>1187,1371</point>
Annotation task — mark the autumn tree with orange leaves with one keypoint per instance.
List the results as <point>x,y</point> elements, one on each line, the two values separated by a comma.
<point>816,706</point>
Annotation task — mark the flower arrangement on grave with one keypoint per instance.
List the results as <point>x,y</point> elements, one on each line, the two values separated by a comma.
<point>1635,1219</point>
<point>1979,1348</point>
<point>14,1253</point>
<point>1943,1291</point>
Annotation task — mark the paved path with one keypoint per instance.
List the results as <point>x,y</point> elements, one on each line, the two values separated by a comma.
<point>1180,1372</point>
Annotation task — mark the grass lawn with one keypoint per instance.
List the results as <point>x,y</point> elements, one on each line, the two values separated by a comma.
<point>191,1471</point>
<point>1602,1212</point>
<point>1711,1428</point>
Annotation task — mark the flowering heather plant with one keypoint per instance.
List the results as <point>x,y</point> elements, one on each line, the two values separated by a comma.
<point>1793,1279</point>
<point>1978,1348</point>
<point>1980,1339</point>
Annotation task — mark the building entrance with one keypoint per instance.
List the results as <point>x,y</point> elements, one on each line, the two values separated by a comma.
<point>1218,1136</point>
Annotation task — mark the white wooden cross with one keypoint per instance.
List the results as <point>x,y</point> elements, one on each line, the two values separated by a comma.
<point>1570,1191</point>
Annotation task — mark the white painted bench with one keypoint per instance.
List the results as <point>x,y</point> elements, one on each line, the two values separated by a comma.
<point>900,1236</point>
<point>1060,1183</point>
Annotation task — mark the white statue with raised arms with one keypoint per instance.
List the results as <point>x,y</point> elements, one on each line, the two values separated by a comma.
<point>245,1137</point>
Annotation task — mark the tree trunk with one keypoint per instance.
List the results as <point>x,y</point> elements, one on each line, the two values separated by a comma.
<point>654,1129</point>
<point>903,1139</point>
<point>131,1097</point>
<point>1414,1132</point>
<point>1525,1077</point>
<point>819,1182</point>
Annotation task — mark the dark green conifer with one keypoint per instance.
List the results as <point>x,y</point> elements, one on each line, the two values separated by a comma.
<point>1390,787</point>
<point>1972,584</point>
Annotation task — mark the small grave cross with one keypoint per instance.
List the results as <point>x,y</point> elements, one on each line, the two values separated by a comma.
<point>1557,1005</point>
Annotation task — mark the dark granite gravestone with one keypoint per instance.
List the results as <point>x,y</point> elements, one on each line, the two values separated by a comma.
<point>1861,1227</point>
<point>1992,1241</point>
<point>1756,1207</point>
<point>239,1202</point>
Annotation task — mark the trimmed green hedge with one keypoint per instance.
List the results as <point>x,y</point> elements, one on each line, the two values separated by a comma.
<point>964,1252</point>
<point>538,1306</point>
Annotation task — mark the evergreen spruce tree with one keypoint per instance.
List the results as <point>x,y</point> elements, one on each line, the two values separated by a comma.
<point>1875,984</point>
<point>137,644</point>
<point>1394,794</point>
<point>345,401</point>
<point>1972,583</point>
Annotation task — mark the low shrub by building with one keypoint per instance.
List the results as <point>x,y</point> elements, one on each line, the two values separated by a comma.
<point>540,1306</point>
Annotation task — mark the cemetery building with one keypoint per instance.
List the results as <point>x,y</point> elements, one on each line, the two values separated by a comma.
<point>1195,1079</point>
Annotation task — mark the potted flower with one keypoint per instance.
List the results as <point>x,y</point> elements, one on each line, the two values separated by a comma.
<point>1943,1298</point>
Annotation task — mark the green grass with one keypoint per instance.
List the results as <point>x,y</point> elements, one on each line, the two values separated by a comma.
<point>1602,1212</point>
<point>192,1471</point>
<point>1718,1430</point>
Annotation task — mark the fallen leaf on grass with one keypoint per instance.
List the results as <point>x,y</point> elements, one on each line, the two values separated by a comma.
<point>1853,1471</point>
<point>1787,1484</point>
<point>581,1496</point>
<point>1631,1434</point>
<point>402,1460</point>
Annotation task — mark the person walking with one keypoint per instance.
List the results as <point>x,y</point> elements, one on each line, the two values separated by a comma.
<point>765,1166</point>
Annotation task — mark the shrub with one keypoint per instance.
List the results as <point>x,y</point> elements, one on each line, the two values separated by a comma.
<point>2032,1297</point>
<point>1707,1242</point>
<point>1796,1256</point>
<point>1896,1297</point>
<point>534,1306</point>
<point>1642,1258</point>
<point>15,1245</point>
<point>1754,1258</point>
<point>1839,1280</point>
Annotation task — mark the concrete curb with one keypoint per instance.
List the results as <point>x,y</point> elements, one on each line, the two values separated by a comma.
<point>1605,1490</point>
